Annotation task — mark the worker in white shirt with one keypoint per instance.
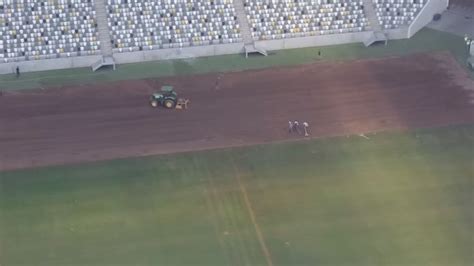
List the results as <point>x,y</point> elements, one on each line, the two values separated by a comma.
<point>306,126</point>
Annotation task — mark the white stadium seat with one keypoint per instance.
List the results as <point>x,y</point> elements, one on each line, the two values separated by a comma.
<point>155,24</point>
<point>395,13</point>
<point>298,18</point>
<point>38,29</point>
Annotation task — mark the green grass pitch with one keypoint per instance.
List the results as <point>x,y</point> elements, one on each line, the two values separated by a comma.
<point>402,198</point>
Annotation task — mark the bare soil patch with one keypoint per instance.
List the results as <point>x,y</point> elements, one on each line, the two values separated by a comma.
<point>114,120</point>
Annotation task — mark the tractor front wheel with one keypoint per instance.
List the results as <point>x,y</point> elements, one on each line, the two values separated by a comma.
<point>154,103</point>
<point>169,104</point>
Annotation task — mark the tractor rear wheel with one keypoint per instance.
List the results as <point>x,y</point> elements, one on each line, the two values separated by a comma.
<point>169,103</point>
<point>154,103</point>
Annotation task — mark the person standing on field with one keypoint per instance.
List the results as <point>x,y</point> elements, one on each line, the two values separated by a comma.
<point>296,126</point>
<point>306,126</point>
<point>290,126</point>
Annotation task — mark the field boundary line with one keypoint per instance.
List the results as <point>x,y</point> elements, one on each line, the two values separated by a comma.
<point>261,239</point>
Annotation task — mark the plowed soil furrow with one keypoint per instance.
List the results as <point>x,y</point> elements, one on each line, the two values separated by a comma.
<point>78,124</point>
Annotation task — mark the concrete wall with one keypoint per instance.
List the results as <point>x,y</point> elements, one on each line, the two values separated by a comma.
<point>311,41</point>
<point>426,15</point>
<point>178,53</point>
<point>396,34</point>
<point>49,64</point>
<point>235,48</point>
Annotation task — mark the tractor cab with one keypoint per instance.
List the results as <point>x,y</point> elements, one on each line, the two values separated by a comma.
<point>167,97</point>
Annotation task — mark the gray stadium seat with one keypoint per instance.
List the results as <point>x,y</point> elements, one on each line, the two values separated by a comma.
<point>393,14</point>
<point>155,24</point>
<point>290,18</point>
<point>47,29</point>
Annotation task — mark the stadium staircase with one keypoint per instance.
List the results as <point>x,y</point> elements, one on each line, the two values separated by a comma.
<point>104,36</point>
<point>245,32</point>
<point>377,35</point>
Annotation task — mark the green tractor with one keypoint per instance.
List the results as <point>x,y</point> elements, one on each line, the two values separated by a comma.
<point>167,98</point>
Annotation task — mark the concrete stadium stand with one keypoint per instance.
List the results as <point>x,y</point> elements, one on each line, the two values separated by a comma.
<point>195,51</point>
<point>422,19</point>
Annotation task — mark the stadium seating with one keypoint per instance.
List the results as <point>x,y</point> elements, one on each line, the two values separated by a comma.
<point>395,13</point>
<point>155,24</point>
<point>297,18</point>
<point>40,29</point>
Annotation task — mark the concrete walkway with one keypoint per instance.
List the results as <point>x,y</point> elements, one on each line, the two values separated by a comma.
<point>457,20</point>
<point>103,28</point>
<point>371,15</point>
<point>245,31</point>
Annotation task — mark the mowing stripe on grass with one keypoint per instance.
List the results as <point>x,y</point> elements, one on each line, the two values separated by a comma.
<point>220,211</point>
<point>233,227</point>
<point>211,195</point>
<point>260,237</point>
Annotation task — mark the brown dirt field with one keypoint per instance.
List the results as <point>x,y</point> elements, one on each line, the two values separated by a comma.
<point>114,120</point>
